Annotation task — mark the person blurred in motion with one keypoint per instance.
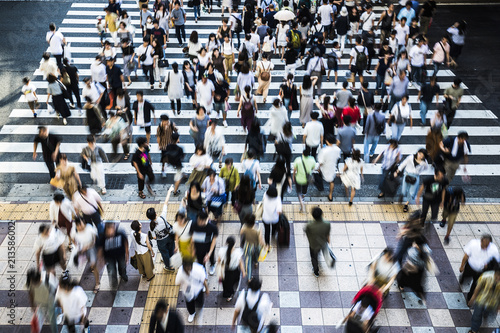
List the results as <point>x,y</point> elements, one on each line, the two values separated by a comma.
<point>73,302</point>
<point>50,246</point>
<point>383,270</point>
<point>61,214</point>
<point>318,235</point>
<point>203,238</point>
<point>192,279</point>
<point>50,148</point>
<point>41,296</point>
<point>486,298</point>
<point>113,247</point>
<point>84,236</point>
<point>453,197</point>
<point>89,204</point>
<point>230,261</point>
<point>164,320</point>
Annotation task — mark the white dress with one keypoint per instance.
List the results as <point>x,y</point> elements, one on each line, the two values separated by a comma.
<point>175,86</point>
<point>282,34</point>
<point>352,176</point>
<point>277,118</point>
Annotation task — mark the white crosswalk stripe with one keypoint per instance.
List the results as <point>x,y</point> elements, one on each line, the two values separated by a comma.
<point>79,29</point>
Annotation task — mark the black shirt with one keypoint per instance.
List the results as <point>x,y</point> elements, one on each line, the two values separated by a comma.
<point>158,34</point>
<point>203,234</point>
<point>72,72</point>
<point>383,66</point>
<point>448,143</point>
<point>142,159</point>
<point>175,155</point>
<point>49,144</point>
<point>428,92</point>
<point>220,92</point>
<point>128,50</point>
<point>271,22</point>
<point>368,98</point>
<point>113,247</point>
<point>114,76</point>
<point>428,8</point>
<point>434,189</point>
<point>291,56</point>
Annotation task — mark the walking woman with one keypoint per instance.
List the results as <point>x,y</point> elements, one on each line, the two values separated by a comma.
<point>248,108</point>
<point>255,140</point>
<point>163,15</point>
<point>288,93</point>
<point>228,54</point>
<point>283,144</point>
<point>143,251</point>
<point>252,242</point>
<point>231,265</point>
<point>189,81</point>
<point>157,55</point>
<point>245,78</point>
<point>306,98</point>
<point>73,302</point>
<point>214,142</point>
<point>457,32</point>
<point>264,76</point>
<point>281,31</point>
<point>271,210</point>
<point>55,89</point>
<point>391,156</point>
<point>280,177</point>
<point>193,202</point>
<point>200,161</point>
<point>194,46</point>
<point>218,61</point>
<point>84,236</point>
<point>94,118</point>
<point>174,82</point>
<point>61,214</point>
<point>182,237</point>
<point>123,109</point>
<point>41,296</point>
<point>198,126</point>
<point>277,118</point>
<point>329,118</point>
<point>353,174</point>
<point>68,174</point>
<point>246,197</point>
<point>413,166</point>
<point>214,188</point>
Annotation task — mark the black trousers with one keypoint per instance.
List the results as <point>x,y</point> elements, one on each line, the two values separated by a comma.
<point>198,301</point>
<point>434,206</point>
<point>51,166</point>
<point>314,151</point>
<point>231,279</point>
<point>201,250</point>
<point>147,173</point>
<point>470,273</point>
<point>172,104</point>
<point>75,90</point>
<point>149,69</point>
<point>179,30</point>
<point>268,228</point>
<point>314,259</point>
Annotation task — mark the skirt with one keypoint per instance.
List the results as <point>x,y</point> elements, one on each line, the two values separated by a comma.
<point>50,260</point>
<point>306,107</point>
<point>185,249</point>
<point>145,264</point>
<point>61,106</point>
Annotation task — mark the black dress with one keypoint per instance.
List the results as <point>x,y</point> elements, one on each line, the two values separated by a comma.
<point>93,121</point>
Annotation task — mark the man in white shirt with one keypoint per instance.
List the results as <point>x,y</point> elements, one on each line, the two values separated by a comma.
<point>367,20</point>
<point>418,57</point>
<point>205,91</point>
<point>354,66</point>
<point>192,279</point>
<point>147,61</point>
<point>313,134</point>
<point>48,66</point>
<point>98,71</point>
<point>326,13</point>
<point>88,202</point>
<point>250,299</point>
<point>402,32</point>
<point>480,256</point>
<point>56,42</point>
<point>328,159</point>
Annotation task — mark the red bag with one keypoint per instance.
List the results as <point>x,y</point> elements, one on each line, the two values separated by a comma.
<point>35,325</point>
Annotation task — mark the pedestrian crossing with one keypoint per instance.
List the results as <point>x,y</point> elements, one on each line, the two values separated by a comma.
<point>78,27</point>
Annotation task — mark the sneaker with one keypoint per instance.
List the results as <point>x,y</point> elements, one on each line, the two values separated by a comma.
<point>152,87</point>
<point>442,223</point>
<point>191,317</point>
<point>176,193</point>
<point>224,122</point>
<point>446,240</point>
<point>212,270</point>
<point>410,84</point>
<point>34,115</point>
<point>316,274</point>
<point>369,72</point>
<point>81,112</point>
<point>71,105</point>
<point>65,122</point>
<point>103,190</point>
<point>164,174</point>
<point>169,269</point>
<point>65,274</point>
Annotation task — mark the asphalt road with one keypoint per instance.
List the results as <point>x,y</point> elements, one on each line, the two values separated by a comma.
<point>24,42</point>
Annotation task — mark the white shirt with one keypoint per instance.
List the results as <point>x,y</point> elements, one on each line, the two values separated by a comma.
<point>255,39</point>
<point>409,166</point>
<point>417,55</point>
<point>265,66</point>
<point>234,260</point>
<point>205,93</point>
<point>66,208</point>
<point>314,131</point>
<point>55,40</point>
<point>141,50</point>
<point>49,244</point>
<point>84,238</point>
<point>401,33</point>
<point>251,297</point>
<point>360,48</point>
<point>367,313</point>
<point>271,209</point>
<point>326,12</point>
<point>183,232</point>
<point>141,248</point>
<point>73,303</point>
<point>479,257</point>
<point>90,207</point>
<point>232,20</point>
<point>367,19</point>
<point>48,67</point>
<point>227,48</point>
<point>192,284</point>
<point>140,115</point>
<point>98,71</point>
<point>28,91</point>
<point>328,158</point>
<point>217,188</point>
<point>247,165</point>
<point>200,162</point>
<point>95,90</point>
<point>404,109</point>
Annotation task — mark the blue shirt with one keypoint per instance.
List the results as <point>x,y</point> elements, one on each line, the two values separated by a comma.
<point>370,129</point>
<point>409,14</point>
<point>399,88</point>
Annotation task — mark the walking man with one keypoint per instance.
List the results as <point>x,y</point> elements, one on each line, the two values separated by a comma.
<point>113,245</point>
<point>50,148</point>
<point>192,279</point>
<point>318,235</point>
<point>486,298</point>
<point>56,42</point>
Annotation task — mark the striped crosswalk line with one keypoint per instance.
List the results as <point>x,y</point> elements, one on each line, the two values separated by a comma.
<point>79,29</point>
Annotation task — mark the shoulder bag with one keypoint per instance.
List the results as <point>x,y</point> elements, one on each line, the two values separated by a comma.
<point>309,176</point>
<point>98,208</point>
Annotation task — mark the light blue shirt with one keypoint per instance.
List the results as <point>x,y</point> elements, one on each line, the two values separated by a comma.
<point>409,14</point>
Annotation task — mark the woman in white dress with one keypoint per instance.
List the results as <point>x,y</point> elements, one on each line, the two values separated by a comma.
<point>162,15</point>
<point>174,82</point>
<point>306,98</point>
<point>353,173</point>
<point>281,31</point>
<point>277,118</point>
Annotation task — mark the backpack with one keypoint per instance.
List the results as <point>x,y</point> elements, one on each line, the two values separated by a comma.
<point>379,126</point>
<point>331,60</point>
<point>361,59</point>
<point>237,27</point>
<point>251,174</point>
<point>250,317</point>
<point>295,39</point>
<point>266,73</point>
<point>247,108</point>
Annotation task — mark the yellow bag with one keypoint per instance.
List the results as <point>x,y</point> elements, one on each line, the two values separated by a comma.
<point>263,254</point>
<point>57,182</point>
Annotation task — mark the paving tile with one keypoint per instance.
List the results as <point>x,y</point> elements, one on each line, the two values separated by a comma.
<point>461,317</point>
<point>441,318</point>
<point>419,317</point>
<point>288,283</point>
<point>289,299</point>
<point>312,316</point>
<point>397,317</point>
<point>99,315</point>
<point>104,299</point>
<point>124,298</point>
<point>291,316</point>
<point>330,299</point>
<point>310,299</point>
<point>423,329</point>
<point>120,316</point>
<point>455,301</point>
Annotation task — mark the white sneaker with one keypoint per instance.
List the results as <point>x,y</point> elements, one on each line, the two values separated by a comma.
<point>72,106</point>
<point>212,270</point>
<point>65,122</point>
<point>191,317</point>
<point>164,174</point>
<point>225,123</point>
<point>81,112</point>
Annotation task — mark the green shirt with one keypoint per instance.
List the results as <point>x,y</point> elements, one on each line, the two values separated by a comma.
<point>317,233</point>
<point>231,177</point>
<point>300,175</point>
<point>455,94</point>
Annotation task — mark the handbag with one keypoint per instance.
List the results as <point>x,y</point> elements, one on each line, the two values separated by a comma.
<point>85,164</point>
<point>309,176</point>
<point>263,253</point>
<point>219,270</point>
<point>329,256</point>
<point>165,89</point>
<point>368,110</point>
<point>133,261</point>
<point>162,63</point>
<point>98,208</point>
<point>318,181</point>
<point>57,182</point>
<point>258,211</point>
<point>218,200</point>
<point>410,179</point>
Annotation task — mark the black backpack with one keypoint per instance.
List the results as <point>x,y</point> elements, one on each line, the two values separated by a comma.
<point>238,27</point>
<point>250,317</point>
<point>379,126</point>
<point>361,59</point>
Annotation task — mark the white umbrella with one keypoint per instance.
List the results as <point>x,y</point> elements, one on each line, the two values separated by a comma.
<point>284,15</point>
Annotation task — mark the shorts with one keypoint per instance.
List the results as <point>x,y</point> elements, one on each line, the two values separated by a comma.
<point>91,255</point>
<point>301,189</point>
<point>219,106</point>
<point>335,67</point>
<point>356,70</point>
<point>147,129</point>
<point>33,104</point>
<point>178,174</point>
<point>50,260</point>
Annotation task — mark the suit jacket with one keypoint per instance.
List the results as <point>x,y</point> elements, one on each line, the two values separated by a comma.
<point>148,108</point>
<point>174,324</point>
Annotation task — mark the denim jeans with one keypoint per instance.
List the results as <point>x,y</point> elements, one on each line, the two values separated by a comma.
<point>397,131</point>
<point>122,269</point>
<point>409,191</point>
<point>179,30</point>
<point>416,74</point>
<point>370,140</point>
<point>436,66</point>
<point>286,103</point>
<point>423,111</point>
<point>197,12</point>
<point>166,248</point>
<point>382,89</point>
<point>480,311</point>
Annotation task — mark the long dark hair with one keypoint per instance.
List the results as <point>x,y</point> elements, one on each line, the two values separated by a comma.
<point>136,226</point>
<point>356,155</point>
<point>175,67</point>
<point>306,82</point>
<point>248,90</point>
<point>194,37</point>
<point>230,244</point>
